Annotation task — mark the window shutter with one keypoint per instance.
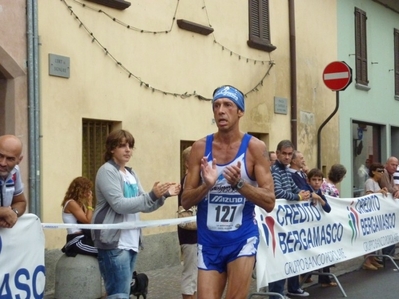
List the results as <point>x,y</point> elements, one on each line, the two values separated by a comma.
<point>259,25</point>
<point>254,28</point>
<point>265,20</point>
<point>361,46</point>
<point>396,57</point>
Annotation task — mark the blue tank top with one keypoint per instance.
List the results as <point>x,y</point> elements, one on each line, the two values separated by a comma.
<point>224,216</point>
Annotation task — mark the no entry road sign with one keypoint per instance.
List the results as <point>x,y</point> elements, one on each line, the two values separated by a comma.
<point>337,75</point>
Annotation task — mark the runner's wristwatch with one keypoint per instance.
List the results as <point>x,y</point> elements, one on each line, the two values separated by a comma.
<point>239,184</point>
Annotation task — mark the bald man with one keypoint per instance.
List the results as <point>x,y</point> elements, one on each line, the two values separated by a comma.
<point>387,180</point>
<point>12,198</point>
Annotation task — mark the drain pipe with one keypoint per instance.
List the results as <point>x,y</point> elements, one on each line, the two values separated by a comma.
<point>294,100</point>
<point>33,113</point>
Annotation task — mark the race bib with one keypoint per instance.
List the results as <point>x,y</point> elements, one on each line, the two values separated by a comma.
<point>225,212</point>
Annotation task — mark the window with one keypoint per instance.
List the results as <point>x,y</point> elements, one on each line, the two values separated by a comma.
<point>93,146</point>
<point>259,25</point>
<point>361,47</point>
<point>396,53</point>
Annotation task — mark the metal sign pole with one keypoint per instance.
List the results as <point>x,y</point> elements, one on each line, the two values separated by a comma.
<point>321,127</point>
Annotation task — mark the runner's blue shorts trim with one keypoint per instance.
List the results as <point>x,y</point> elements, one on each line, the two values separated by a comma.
<point>217,258</point>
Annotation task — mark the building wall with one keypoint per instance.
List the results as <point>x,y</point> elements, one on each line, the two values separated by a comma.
<point>13,79</point>
<point>175,62</point>
<point>316,48</point>
<point>372,106</point>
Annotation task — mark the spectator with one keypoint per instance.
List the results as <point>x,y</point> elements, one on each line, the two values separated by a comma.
<point>335,176</point>
<point>77,207</point>
<point>386,181</point>
<point>376,170</point>
<point>296,169</point>
<point>228,174</point>
<point>363,171</point>
<point>188,246</point>
<point>328,187</point>
<point>13,201</point>
<point>284,187</point>
<point>315,180</point>
<point>396,177</point>
<point>272,157</point>
<point>120,198</point>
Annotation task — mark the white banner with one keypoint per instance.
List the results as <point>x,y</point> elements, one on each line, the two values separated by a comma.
<point>22,271</point>
<point>297,237</point>
<point>123,225</point>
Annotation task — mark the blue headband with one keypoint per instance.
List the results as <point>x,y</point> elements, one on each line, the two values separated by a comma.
<point>230,93</point>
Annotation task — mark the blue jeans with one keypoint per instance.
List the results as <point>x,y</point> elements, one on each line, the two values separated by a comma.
<point>278,286</point>
<point>116,266</point>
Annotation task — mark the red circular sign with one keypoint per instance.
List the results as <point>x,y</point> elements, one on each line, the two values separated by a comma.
<point>337,75</point>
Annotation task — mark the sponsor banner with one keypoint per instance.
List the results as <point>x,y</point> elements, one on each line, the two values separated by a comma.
<point>297,237</point>
<point>22,271</point>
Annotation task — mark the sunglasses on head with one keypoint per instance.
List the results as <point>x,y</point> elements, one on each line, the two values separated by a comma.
<point>380,170</point>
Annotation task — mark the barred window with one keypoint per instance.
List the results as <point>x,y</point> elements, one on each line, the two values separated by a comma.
<point>94,134</point>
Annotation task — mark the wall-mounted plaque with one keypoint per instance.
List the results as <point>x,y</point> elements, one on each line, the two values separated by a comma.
<point>59,65</point>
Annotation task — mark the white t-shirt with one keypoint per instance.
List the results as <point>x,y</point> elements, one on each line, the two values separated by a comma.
<point>371,185</point>
<point>130,238</point>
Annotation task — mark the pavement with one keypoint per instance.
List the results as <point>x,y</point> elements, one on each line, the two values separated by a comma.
<point>165,283</point>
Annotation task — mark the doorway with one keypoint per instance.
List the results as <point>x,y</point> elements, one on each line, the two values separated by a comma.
<point>366,150</point>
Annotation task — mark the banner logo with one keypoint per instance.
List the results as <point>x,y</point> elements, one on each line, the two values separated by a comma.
<point>353,221</point>
<point>268,229</point>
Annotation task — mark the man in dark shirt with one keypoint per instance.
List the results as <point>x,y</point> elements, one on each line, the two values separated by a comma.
<point>285,187</point>
<point>296,169</point>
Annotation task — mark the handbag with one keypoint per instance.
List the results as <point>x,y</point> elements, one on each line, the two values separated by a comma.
<point>181,213</point>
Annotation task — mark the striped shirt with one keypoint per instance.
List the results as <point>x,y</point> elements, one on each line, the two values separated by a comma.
<point>284,185</point>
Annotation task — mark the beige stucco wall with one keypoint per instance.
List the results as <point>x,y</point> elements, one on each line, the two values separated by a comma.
<point>177,62</point>
<point>316,35</point>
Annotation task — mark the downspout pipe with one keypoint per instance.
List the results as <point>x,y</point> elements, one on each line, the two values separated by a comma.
<point>33,107</point>
<point>293,73</point>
